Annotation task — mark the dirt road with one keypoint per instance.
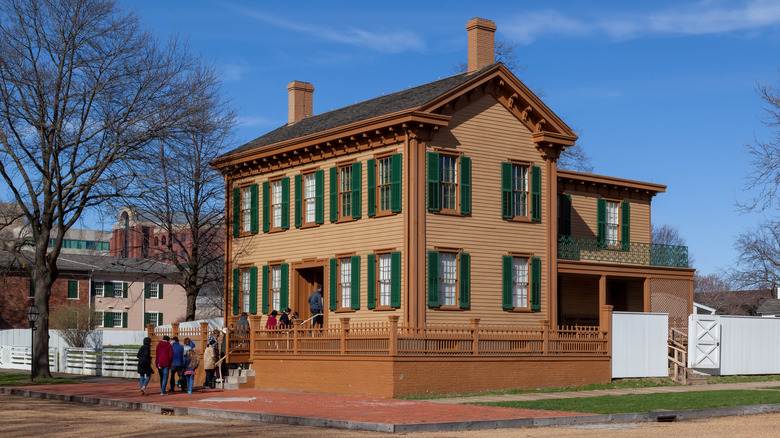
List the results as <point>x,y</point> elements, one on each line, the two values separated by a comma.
<point>25,417</point>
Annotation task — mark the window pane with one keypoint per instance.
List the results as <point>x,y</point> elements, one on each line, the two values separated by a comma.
<point>345,191</point>
<point>384,179</point>
<point>276,203</point>
<point>345,277</point>
<point>520,190</point>
<point>449,277</point>
<point>448,176</point>
<point>117,319</point>
<point>613,222</point>
<point>520,282</point>
<point>309,197</point>
<point>245,287</point>
<point>246,209</point>
<point>276,288</point>
<point>384,279</point>
<point>118,286</point>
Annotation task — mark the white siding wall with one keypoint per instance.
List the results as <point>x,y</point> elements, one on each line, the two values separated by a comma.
<point>748,344</point>
<point>639,344</point>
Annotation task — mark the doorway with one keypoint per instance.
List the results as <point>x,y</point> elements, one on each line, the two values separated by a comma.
<point>305,282</point>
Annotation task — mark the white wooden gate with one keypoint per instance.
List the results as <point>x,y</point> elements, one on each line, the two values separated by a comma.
<point>704,338</point>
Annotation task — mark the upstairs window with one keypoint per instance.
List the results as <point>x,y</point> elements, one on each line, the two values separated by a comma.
<point>448,177</point>
<point>345,192</point>
<point>449,183</point>
<point>613,223</point>
<point>521,191</point>
<point>246,209</point>
<point>309,198</point>
<point>276,204</point>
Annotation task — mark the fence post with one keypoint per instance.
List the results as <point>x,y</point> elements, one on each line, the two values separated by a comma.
<point>393,344</point>
<point>175,330</point>
<point>343,333</point>
<point>605,327</point>
<point>254,326</point>
<point>475,336</point>
<point>545,336</point>
<point>296,326</point>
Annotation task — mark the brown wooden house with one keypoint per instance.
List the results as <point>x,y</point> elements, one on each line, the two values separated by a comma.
<point>439,214</point>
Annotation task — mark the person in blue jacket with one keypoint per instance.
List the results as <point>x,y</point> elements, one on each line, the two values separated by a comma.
<point>177,365</point>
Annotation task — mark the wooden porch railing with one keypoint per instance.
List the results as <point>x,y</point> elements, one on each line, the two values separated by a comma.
<point>678,355</point>
<point>393,339</point>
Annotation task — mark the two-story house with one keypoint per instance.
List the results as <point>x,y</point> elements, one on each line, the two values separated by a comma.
<point>440,204</point>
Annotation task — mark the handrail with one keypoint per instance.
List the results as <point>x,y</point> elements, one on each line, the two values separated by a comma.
<point>590,248</point>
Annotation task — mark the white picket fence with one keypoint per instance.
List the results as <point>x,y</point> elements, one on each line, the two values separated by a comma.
<point>99,338</point>
<point>109,362</point>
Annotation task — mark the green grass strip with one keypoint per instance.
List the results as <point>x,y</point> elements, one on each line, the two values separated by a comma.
<point>621,404</point>
<point>14,379</point>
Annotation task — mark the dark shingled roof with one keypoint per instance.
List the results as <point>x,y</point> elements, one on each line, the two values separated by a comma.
<point>101,263</point>
<point>770,307</point>
<point>379,106</point>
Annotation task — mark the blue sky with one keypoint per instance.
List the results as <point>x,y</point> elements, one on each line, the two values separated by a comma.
<point>661,91</point>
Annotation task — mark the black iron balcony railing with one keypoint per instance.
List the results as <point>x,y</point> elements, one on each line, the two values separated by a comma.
<point>589,248</point>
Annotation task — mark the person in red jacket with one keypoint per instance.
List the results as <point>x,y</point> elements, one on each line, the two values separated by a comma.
<point>163,360</point>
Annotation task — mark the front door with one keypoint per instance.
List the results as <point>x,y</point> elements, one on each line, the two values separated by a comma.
<point>305,283</point>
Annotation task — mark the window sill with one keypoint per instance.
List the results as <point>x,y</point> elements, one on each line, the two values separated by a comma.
<point>448,308</point>
<point>309,225</point>
<point>448,213</point>
<point>384,309</point>
<point>276,230</point>
<point>344,220</point>
<point>385,214</point>
<point>522,219</point>
<point>520,310</point>
<point>345,310</point>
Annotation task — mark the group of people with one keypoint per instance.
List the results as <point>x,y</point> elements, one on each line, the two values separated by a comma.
<point>173,360</point>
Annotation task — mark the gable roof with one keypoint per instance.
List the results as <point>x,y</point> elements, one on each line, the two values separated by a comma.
<point>769,307</point>
<point>100,264</point>
<point>376,107</point>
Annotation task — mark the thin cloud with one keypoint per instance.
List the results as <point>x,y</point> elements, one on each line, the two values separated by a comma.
<point>389,41</point>
<point>704,17</point>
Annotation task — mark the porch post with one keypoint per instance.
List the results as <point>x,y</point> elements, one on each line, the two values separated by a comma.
<point>296,327</point>
<point>174,330</point>
<point>343,333</point>
<point>204,336</point>
<point>475,336</point>
<point>545,336</point>
<point>254,326</point>
<point>393,344</point>
<point>605,326</point>
<point>646,288</point>
<point>602,291</point>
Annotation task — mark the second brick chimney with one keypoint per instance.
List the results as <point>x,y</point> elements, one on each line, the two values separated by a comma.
<point>481,43</point>
<point>300,98</point>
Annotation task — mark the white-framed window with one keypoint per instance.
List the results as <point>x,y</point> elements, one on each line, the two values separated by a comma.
<point>276,203</point>
<point>118,288</point>
<point>100,318</point>
<point>345,192</point>
<point>384,179</point>
<point>246,285</point>
<point>118,319</point>
<point>276,287</point>
<point>309,197</point>
<point>154,318</point>
<point>345,283</point>
<point>613,223</point>
<point>520,282</point>
<point>448,282</point>
<point>448,177</point>
<point>154,290</point>
<point>99,287</point>
<point>384,279</point>
<point>519,190</point>
<point>246,210</point>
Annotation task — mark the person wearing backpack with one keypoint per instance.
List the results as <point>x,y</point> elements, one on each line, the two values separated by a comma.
<point>191,364</point>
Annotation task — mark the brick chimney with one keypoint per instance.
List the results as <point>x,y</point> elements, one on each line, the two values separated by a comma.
<point>481,43</point>
<point>299,101</point>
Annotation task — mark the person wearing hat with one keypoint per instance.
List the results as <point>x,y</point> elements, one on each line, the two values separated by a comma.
<point>163,359</point>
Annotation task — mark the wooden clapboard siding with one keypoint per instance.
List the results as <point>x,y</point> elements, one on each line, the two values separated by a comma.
<point>362,236</point>
<point>487,133</point>
<point>583,216</point>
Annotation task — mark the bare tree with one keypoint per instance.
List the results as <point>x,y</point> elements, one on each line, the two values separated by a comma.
<point>758,262</point>
<point>75,323</point>
<point>711,283</point>
<point>184,196</point>
<point>82,87</point>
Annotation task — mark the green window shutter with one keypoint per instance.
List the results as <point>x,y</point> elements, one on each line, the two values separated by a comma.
<point>159,319</point>
<point>298,201</point>
<point>465,185</point>
<point>507,207</point>
<point>625,226</point>
<point>357,183</point>
<point>266,281</point>
<point>371,280</point>
<point>465,280</point>
<point>536,283</point>
<point>124,319</point>
<point>371,186</point>
<point>253,195</point>
<point>236,210</point>
<point>124,290</point>
<point>354,300</point>
<point>253,290</point>
<point>334,194</point>
<point>601,222</point>
<point>395,279</point>
<point>147,291</point>
<point>146,319</point>
<point>73,289</point>
<point>433,278</point>
<point>566,215</point>
<point>108,319</point>
<point>286,203</point>
<point>266,207</point>
<point>284,286</point>
<point>506,283</point>
<point>108,289</point>
<point>334,284</point>
<point>396,176</point>
<point>236,289</point>
<point>319,193</point>
<point>159,291</point>
<point>536,193</point>
<point>433,182</point>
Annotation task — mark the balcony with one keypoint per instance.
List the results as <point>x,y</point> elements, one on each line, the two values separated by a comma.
<point>590,249</point>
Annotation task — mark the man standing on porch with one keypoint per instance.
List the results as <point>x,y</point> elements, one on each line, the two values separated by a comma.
<point>315,306</point>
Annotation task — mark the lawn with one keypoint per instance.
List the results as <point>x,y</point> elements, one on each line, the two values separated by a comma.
<point>619,404</point>
<point>14,379</point>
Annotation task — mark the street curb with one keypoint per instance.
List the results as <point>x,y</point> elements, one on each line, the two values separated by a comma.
<point>655,416</point>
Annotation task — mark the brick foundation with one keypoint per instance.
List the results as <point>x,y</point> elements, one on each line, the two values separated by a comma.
<point>388,377</point>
